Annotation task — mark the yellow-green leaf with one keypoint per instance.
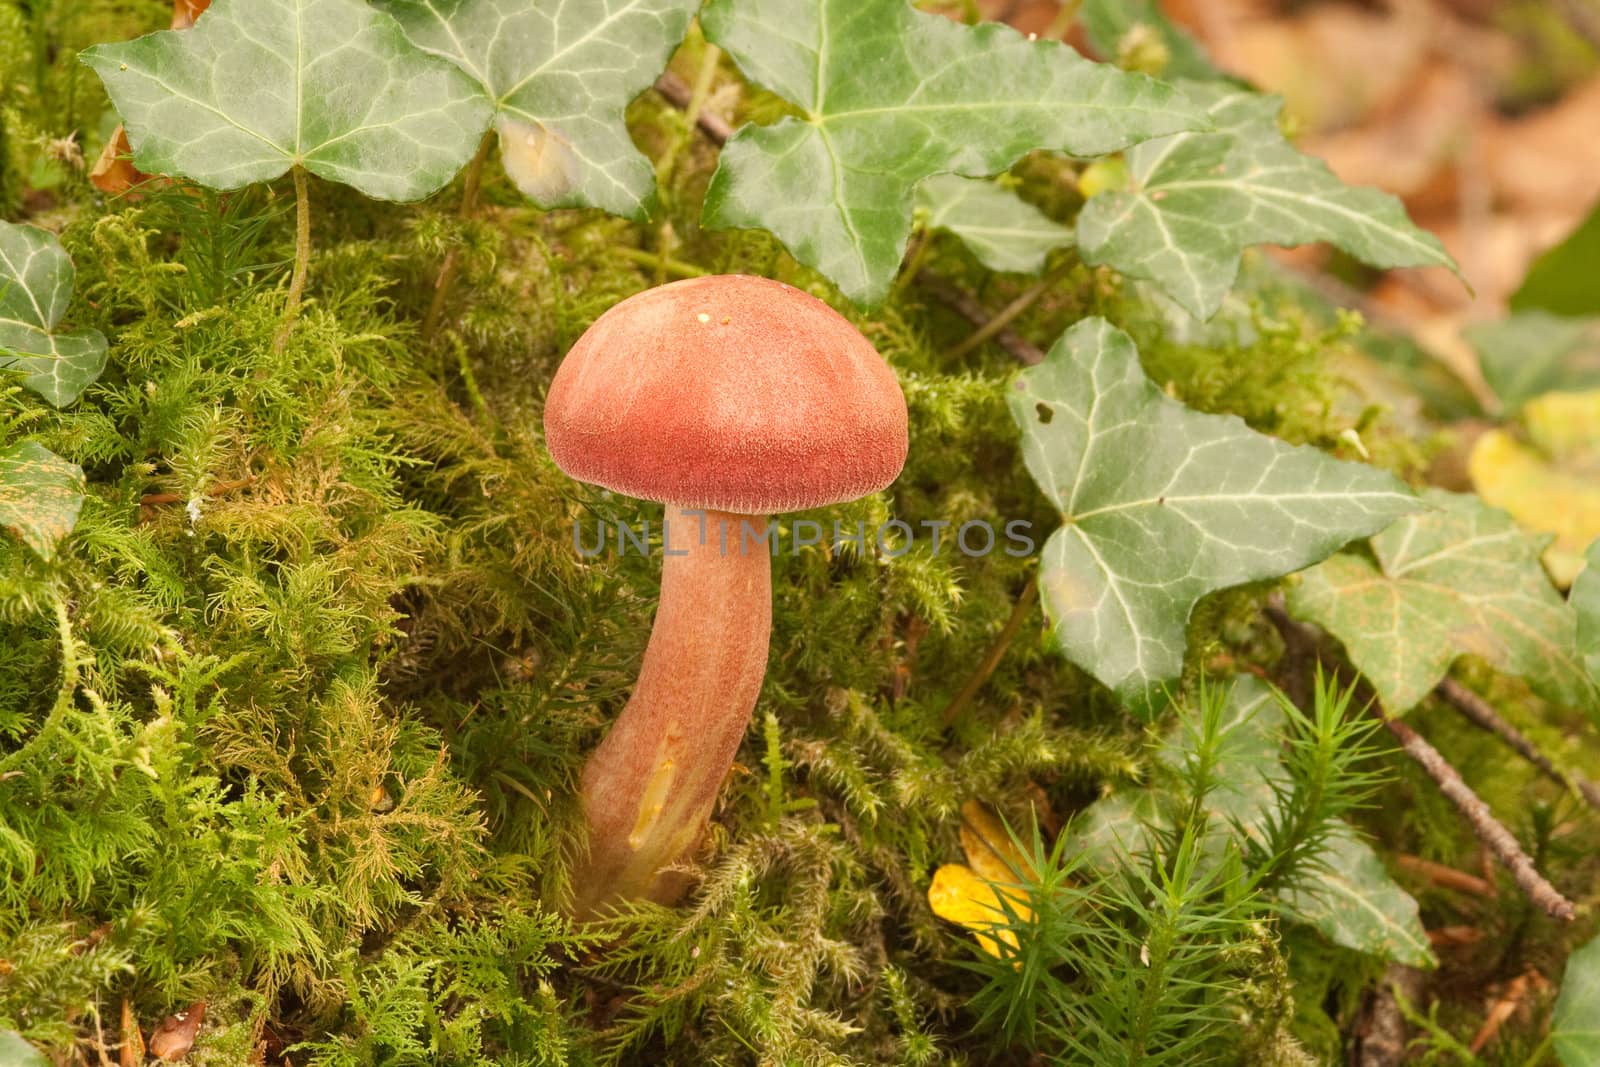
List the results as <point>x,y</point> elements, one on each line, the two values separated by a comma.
<point>40,495</point>
<point>1459,578</point>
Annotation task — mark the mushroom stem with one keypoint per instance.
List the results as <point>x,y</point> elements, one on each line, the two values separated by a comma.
<point>649,788</point>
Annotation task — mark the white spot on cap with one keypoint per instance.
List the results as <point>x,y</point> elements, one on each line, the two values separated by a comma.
<point>703,317</point>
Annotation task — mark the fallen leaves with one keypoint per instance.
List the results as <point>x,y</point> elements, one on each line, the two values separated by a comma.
<point>1549,482</point>
<point>983,894</point>
<point>114,173</point>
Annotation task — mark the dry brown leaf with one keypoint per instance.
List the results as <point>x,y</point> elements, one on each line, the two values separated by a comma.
<point>1546,163</point>
<point>1413,147</point>
<point>184,12</point>
<point>176,1035</point>
<point>1334,64</point>
<point>114,173</point>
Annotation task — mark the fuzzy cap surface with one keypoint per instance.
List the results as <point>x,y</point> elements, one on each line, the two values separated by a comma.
<point>733,393</point>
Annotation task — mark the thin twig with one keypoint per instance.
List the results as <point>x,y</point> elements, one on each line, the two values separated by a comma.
<point>1004,317</point>
<point>992,658</point>
<point>302,257</point>
<point>221,488</point>
<point>1489,830</point>
<point>471,182</point>
<point>1479,712</point>
<point>1023,350</point>
<point>1445,877</point>
<point>679,95</point>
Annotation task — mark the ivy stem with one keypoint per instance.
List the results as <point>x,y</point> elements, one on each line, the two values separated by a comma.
<point>302,257</point>
<point>1481,714</point>
<point>991,659</point>
<point>70,664</point>
<point>662,264</point>
<point>472,180</point>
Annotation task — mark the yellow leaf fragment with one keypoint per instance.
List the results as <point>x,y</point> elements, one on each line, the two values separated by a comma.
<point>991,853</point>
<point>1555,491</point>
<point>958,895</point>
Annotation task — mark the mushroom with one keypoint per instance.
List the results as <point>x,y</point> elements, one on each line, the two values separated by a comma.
<point>727,399</point>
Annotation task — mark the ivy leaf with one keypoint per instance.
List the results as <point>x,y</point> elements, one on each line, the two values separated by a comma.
<point>1114,828</point>
<point>1531,353</point>
<point>1459,578</point>
<point>891,96</point>
<point>1586,602</point>
<point>1562,279</point>
<point>259,86</point>
<point>17,1052</point>
<point>40,495</point>
<point>1003,231</point>
<point>559,77</point>
<point>1575,1024</point>
<point>1198,199</point>
<point>1109,22</point>
<point>1163,505</point>
<point>36,279</point>
<point>1353,902</point>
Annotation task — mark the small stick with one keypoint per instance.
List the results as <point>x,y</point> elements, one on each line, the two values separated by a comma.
<point>1003,318</point>
<point>991,659</point>
<point>152,499</point>
<point>1021,349</point>
<point>1480,713</point>
<point>1445,877</point>
<point>1504,1007</point>
<point>1490,831</point>
<point>679,95</point>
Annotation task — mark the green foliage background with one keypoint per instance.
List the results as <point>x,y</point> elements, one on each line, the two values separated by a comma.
<point>292,722</point>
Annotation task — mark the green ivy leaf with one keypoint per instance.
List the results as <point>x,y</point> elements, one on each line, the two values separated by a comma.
<point>1113,829</point>
<point>1575,1023</point>
<point>40,495</point>
<point>1351,899</point>
<point>891,96</point>
<point>1198,199</point>
<point>17,1052</point>
<point>36,279</point>
<point>259,86</point>
<point>1108,23</point>
<point>1163,505</point>
<point>1459,578</point>
<point>1531,353</point>
<point>1353,902</point>
<point>559,77</point>
<point>1562,280</point>
<point>1004,232</point>
<point>1586,602</point>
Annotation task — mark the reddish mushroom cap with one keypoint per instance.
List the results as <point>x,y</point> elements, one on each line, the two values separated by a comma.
<point>733,393</point>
